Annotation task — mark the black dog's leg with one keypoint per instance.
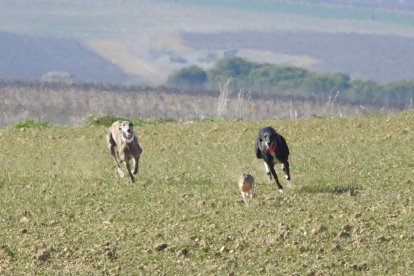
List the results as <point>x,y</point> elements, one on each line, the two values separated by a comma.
<point>273,172</point>
<point>269,174</point>
<point>286,170</point>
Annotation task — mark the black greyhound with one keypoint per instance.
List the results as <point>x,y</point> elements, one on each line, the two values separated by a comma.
<point>272,148</point>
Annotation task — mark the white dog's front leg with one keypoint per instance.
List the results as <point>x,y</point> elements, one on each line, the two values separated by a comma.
<point>134,168</point>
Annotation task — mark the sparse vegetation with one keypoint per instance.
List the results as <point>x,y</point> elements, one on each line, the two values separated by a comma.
<point>31,123</point>
<point>347,210</point>
<point>61,104</point>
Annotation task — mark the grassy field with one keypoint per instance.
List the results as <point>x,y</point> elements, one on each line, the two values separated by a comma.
<point>347,210</point>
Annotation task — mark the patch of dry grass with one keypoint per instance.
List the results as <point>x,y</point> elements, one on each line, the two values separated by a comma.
<point>348,208</point>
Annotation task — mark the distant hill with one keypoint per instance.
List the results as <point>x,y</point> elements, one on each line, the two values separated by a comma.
<point>381,58</point>
<point>30,57</point>
<point>141,41</point>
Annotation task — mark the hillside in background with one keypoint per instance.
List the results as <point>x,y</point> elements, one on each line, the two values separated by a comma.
<point>381,58</point>
<point>27,57</point>
<point>392,4</point>
<point>95,40</point>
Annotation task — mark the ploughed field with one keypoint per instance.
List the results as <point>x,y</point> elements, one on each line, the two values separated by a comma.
<point>348,208</point>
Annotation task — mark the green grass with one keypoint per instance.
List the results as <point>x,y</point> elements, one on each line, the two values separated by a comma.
<point>348,208</point>
<point>31,123</point>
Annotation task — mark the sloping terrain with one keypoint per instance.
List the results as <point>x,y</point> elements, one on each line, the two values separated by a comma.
<point>381,58</point>
<point>365,39</point>
<point>28,57</point>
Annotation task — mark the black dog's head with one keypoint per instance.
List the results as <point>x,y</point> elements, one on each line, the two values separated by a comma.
<point>269,139</point>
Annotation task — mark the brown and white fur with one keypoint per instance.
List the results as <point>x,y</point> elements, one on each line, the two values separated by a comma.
<point>246,187</point>
<point>124,146</point>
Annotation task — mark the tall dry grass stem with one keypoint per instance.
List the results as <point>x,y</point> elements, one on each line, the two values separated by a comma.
<point>223,100</point>
<point>243,100</point>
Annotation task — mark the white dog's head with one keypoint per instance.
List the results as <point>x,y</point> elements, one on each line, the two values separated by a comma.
<point>127,130</point>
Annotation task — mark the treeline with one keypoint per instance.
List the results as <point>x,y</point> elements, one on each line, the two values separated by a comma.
<point>279,80</point>
<point>256,81</point>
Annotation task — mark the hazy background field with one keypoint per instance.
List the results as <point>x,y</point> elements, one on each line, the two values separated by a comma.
<point>347,210</point>
<point>143,41</point>
<point>70,105</point>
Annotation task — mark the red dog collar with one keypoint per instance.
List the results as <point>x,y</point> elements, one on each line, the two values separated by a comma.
<point>270,149</point>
